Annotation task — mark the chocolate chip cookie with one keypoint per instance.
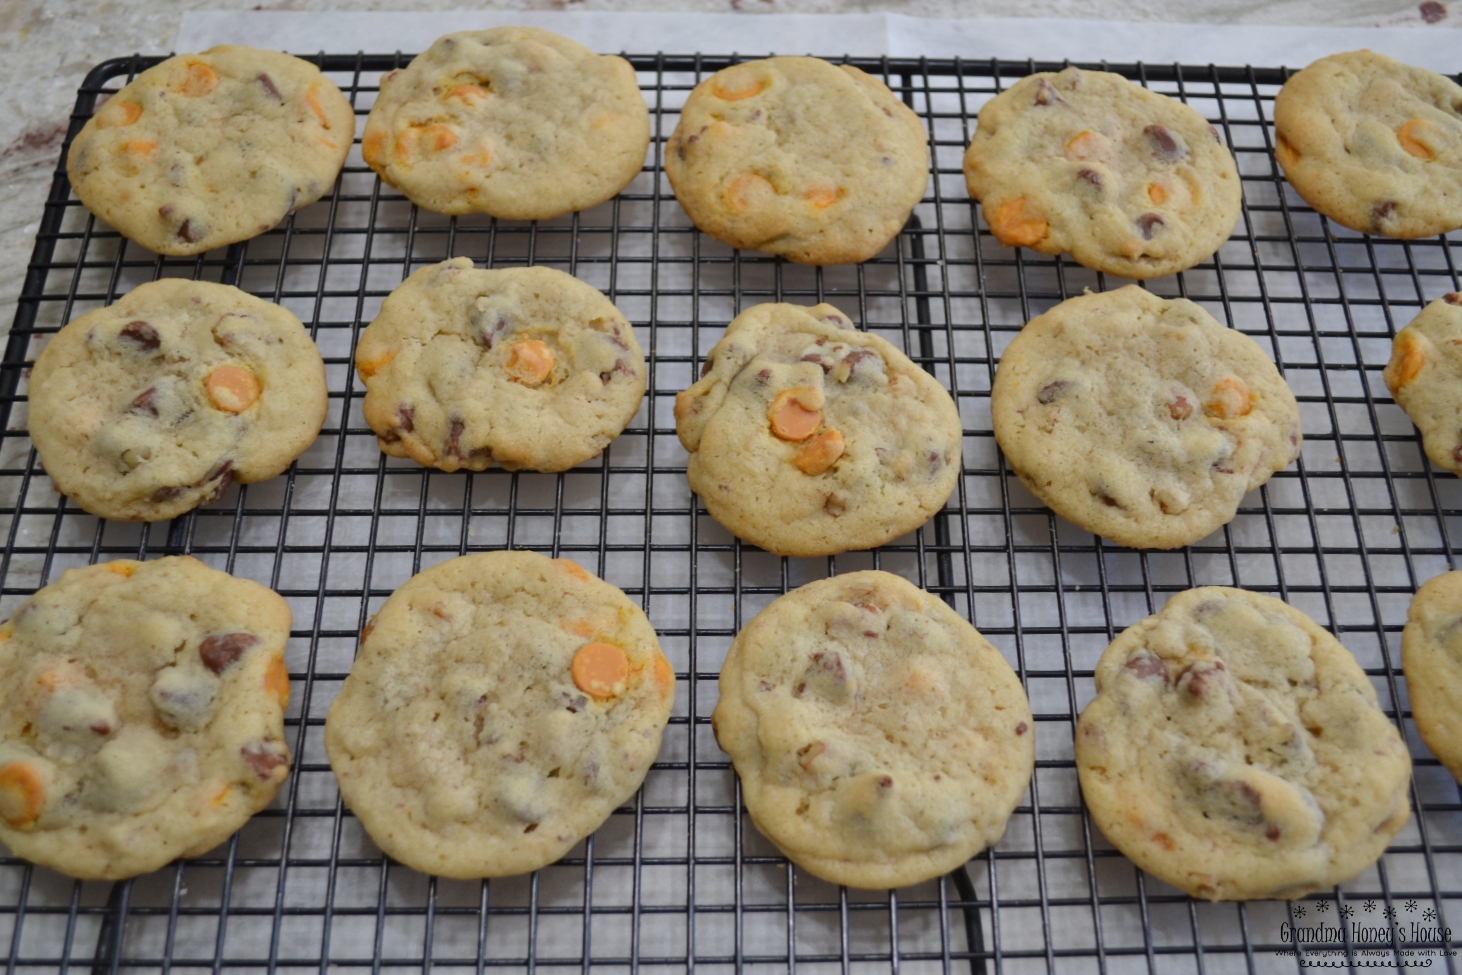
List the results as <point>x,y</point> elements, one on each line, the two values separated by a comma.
<point>797,157</point>
<point>500,707</point>
<point>1373,144</point>
<point>141,715</point>
<point>1431,657</point>
<point>880,740</point>
<point>515,122</point>
<point>1425,378</point>
<point>1123,179</point>
<point>1235,750</point>
<point>527,366</point>
<point>147,408</point>
<point>205,150</point>
<point>808,437</point>
<point>1142,420</point>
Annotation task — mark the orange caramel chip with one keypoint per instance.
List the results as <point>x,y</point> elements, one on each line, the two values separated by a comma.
<point>1408,355</point>
<point>232,389</point>
<point>200,81</point>
<point>530,361</point>
<point>276,681</point>
<point>821,454</point>
<point>1407,136</point>
<point>748,191</point>
<point>1231,398</point>
<point>796,412</point>
<point>22,794</point>
<point>601,670</point>
<point>1015,224</point>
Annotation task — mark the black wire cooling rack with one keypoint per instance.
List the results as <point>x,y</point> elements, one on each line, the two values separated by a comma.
<point>680,879</point>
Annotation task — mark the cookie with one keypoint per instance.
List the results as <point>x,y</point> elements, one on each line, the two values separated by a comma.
<point>1235,750</point>
<point>526,366</point>
<point>1123,179</point>
<point>141,715</point>
<point>808,437</point>
<point>500,707</point>
<point>1431,657</point>
<point>1373,144</point>
<point>794,156</point>
<point>515,122</point>
<point>205,150</point>
<point>1425,378</point>
<point>880,740</point>
<point>1141,419</point>
<point>147,408</point>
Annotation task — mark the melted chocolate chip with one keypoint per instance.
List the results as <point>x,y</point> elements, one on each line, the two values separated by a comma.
<point>140,334</point>
<point>1046,94</point>
<point>405,418</point>
<point>144,402</point>
<point>186,232</point>
<point>264,757</point>
<point>1452,299</point>
<point>763,377</point>
<point>1381,212</point>
<point>1457,453</point>
<point>270,87</point>
<point>1052,391</point>
<point>1021,728</point>
<point>486,337</point>
<point>706,366</point>
<point>1147,665</point>
<point>165,494</point>
<point>454,437</point>
<point>1164,145</point>
<point>221,650</point>
<point>1272,833</point>
<point>852,359</point>
<point>1090,176</point>
<point>223,474</point>
<point>1148,222</point>
<point>1201,678</point>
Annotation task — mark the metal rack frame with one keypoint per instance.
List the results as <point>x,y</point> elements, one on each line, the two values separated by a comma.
<point>679,879</point>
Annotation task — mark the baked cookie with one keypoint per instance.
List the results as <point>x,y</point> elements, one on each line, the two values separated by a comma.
<point>1123,179</point>
<point>500,707</point>
<point>1373,144</point>
<point>1235,750</point>
<point>808,437</point>
<point>141,715</point>
<point>1141,419</point>
<point>515,122</point>
<point>205,150</point>
<point>1425,378</point>
<point>1431,657</point>
<point>880,740</point>
<point>527,366</point>
<point>147,408</point>
<point>794,156</point>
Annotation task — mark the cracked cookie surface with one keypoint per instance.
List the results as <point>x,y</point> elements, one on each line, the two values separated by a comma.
<point>208,149</point>
<point>1431,657</point>
<point>1425,378</point>
<point>821,164</point>
<point>1124,179</point>
<point>149,407</point>
<point>1143,420</point>
<point>141,715</point>
<point>1235,750</point>
<point>808,437</point>
<point>880,739</point>
<point>515,122</point>
<point>529,367</point>
<point>1373,144</point>
<point>500,707</point>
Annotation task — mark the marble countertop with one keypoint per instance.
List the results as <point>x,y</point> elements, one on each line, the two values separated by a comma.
<point>49,45</point>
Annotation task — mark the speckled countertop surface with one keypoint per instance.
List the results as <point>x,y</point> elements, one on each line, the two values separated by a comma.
<point>49,45</point>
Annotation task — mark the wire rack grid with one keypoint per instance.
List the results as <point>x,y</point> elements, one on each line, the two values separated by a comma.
<point>679,879</point>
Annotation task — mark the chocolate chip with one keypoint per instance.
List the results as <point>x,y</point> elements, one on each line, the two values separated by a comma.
<point>141,334</point>
<point>264,757</point>
<point>487,336</point>
<point>270,87</point>
<point>1146,665</point>
<point>1148,222</point>
<point>1433,12</point>
<point>1046,94</point>
<point>186,232</point>
<point>530,827</point>
<point>814,357</point>
<point>763,377</point>
<point>166,210</point>
<point>1457,453</point>
<point>224,475</point>
<point>1201,678</point>
<point>144,402</point>
<point>165,494</point>
<point>406,418</point>
<point>1452,299</point>
<point>221,650</point>
<point>1108,500</point>
<point>1180,408</point>
<point>100,727</point>
<point>885,782</point>
<point>852,359</point>
<point>454,437</point>
<point>1272,833</point>
<point>1165,145</point>
<point>1090,176</point>
<point>1380,213</point>
<point>1021,728</point>
<point>1052,391</point>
